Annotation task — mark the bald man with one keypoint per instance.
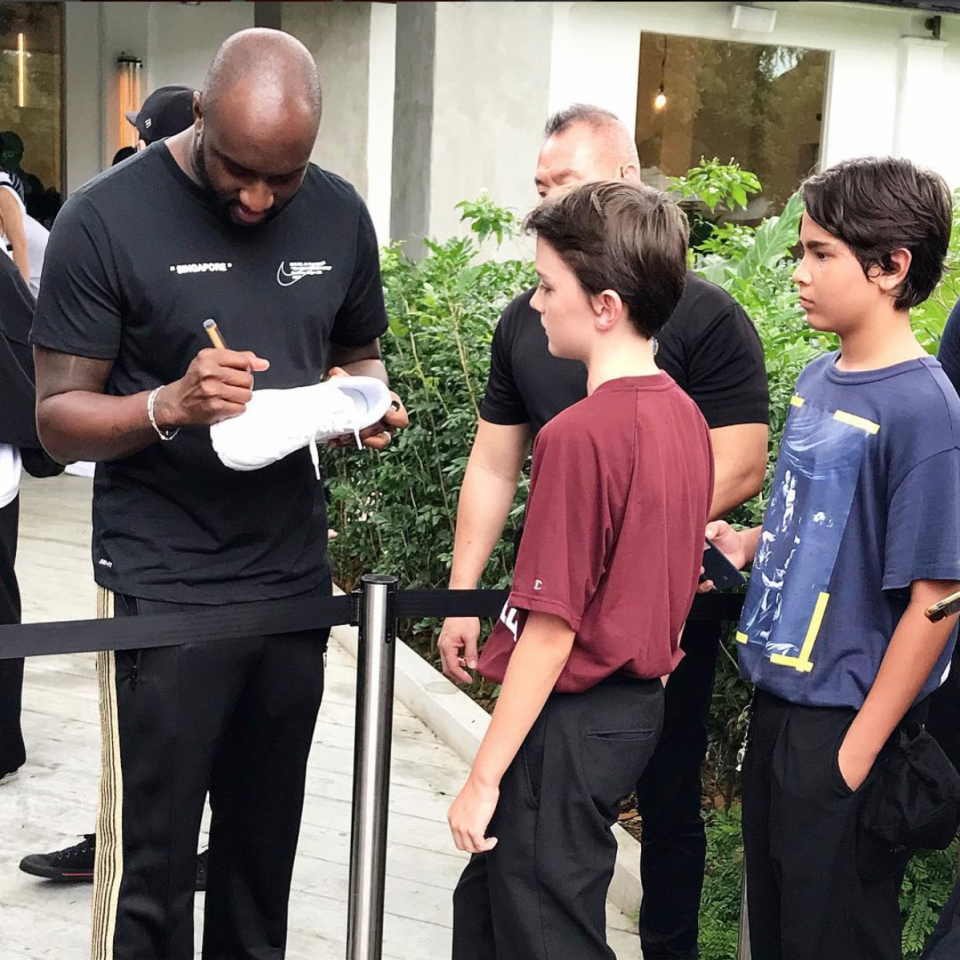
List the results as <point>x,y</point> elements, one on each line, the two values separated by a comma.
<point>230,220</point>
<point>711,349</point>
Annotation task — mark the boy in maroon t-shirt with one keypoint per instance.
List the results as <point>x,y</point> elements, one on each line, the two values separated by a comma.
<point>605,577</point>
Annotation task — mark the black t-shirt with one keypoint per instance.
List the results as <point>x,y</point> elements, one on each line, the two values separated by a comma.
<point>709,346</point>
<point>137,260</point>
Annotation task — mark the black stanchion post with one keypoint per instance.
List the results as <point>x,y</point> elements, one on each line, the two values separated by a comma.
<point>371,766</point>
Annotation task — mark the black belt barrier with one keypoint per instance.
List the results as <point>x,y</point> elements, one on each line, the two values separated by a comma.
<point>375,609</point>
<point>271,618</point>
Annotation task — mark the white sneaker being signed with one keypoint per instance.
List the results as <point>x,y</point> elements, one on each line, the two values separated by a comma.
<point>277,423</point>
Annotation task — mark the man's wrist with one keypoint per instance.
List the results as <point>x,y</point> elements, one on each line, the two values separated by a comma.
<point>165,410</point>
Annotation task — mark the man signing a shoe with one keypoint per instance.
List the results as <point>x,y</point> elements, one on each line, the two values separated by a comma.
<point>243,228</point>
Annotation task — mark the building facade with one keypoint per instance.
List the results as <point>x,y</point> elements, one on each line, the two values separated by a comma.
<point>426,104</point>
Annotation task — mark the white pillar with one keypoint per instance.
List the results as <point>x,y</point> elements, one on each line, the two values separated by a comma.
<point>82,93</point>
<point>382,81</point>
<point>411,172</point>
<point>919,110</point>
<point>473,83</point>
<point>353,47</point>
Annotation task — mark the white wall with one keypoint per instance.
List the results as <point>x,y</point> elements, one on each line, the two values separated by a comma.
<point>83,116</point>
<point>382,65</point>
<point>596,49</point>
<point>339,39</point>
<point>491,87</point>
<point>354,46</point>
<point>918,114</point>
<point>499,71</point>
<point>183,39</point>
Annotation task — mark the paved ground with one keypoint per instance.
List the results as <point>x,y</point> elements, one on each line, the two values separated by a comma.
<point>54,799</point>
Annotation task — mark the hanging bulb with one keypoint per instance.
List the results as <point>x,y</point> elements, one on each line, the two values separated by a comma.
<point>660,100</point>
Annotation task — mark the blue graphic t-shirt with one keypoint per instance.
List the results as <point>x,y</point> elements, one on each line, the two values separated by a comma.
<point>866,500</point>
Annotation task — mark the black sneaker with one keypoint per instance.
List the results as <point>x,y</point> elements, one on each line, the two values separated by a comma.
<point>72,865</point>
<point>75,864</point>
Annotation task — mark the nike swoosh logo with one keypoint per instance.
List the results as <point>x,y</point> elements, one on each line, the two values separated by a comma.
<point>287,279</point>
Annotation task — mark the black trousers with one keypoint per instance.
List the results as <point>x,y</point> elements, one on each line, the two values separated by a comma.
<point>809,899</point>
<point>669,794</point>
<point>12,752</point>
<point>944,942</point>
<point>236,718</point>
<point>540,894</point>
<point>943,721</point>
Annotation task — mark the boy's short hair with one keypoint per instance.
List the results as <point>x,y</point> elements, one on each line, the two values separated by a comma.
<point>623,236</point>
<point>876,205</point>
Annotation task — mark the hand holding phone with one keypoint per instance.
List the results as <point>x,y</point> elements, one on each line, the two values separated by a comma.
<point>719,569</point>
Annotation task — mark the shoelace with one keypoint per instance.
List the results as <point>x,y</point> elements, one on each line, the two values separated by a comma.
<point>314,445</point>
<point>87,842</point>
<point>314,448</point>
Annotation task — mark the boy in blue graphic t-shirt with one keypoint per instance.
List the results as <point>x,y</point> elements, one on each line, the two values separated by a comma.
<point>861,534</point>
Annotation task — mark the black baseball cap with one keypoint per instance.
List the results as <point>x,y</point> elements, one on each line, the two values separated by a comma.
<point>167,111</point>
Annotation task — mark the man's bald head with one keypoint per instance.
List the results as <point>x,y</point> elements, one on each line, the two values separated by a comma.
<point>268,68</point>
<point>584,142</point>
<point>259,115</point>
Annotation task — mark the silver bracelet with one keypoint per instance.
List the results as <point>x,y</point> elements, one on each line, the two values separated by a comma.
<point>151,400</point>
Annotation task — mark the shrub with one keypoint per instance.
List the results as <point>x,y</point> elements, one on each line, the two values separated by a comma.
<point>395,511</point>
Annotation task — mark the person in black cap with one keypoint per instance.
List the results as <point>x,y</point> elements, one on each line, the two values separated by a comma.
<point>166,112</point>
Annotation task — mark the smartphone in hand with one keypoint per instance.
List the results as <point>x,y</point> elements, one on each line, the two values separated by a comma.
<point>720,570</point>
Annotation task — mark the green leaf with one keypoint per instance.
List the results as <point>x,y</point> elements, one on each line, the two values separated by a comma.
<point>398,328</point>
<point>773,239</point>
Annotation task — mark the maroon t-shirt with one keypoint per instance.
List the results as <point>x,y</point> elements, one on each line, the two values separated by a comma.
<point>614,536</point>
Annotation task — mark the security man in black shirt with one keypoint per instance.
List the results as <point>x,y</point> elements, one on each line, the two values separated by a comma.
<point>244,229</point>
<point>711,349</point>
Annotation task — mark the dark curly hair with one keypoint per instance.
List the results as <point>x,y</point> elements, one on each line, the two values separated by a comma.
<point>877,205</point>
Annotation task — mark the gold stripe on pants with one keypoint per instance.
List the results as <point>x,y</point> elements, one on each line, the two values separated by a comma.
<point>108,870</point>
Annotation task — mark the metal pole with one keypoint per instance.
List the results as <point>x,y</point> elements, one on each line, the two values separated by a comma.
<point>743,940</point>
<point>371,766</point>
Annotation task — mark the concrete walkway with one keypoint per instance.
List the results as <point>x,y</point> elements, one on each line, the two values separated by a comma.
<point>54,800</point>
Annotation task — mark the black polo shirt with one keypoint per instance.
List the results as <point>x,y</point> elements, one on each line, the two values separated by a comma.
<point>137,260</point>
<point>709,346</point>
